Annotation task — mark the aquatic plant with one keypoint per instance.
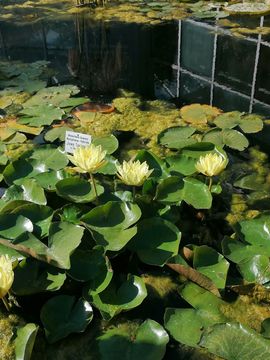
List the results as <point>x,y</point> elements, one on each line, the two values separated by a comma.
<point>89,254</point>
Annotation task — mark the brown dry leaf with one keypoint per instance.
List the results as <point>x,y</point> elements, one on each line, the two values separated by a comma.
<point>196,277</point>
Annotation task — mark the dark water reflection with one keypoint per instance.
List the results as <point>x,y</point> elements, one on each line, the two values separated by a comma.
<point>187,61</point>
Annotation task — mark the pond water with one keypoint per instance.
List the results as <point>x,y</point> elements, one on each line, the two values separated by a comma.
<point>186,61</point>
<point>183,62</point>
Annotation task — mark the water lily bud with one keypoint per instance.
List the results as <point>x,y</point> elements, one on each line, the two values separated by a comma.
<point>133,172</point>
<point>88,159</point>
<point>211,164</point>
<point>6,275</point>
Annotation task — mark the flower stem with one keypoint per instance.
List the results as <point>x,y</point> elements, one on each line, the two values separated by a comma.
<point>95,187</point>
<point>210,183</point>
<point>5,302</point>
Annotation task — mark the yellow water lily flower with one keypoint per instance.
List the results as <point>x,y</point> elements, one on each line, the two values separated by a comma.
<point>211,164</point>
<point>133,172</point>
<point>88,159</point>
<point>6,275</point>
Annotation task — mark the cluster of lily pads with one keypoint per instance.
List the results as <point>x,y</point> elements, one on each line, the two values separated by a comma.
<point>140,11</point>
<point>83,237</point>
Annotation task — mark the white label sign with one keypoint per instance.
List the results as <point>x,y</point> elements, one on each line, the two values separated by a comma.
<point>75,139</point>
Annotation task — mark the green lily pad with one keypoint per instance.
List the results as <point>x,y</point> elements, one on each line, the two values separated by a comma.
<point>88,265</point>
<point>28,190</point>
<point>177,137</point>
<point>57,133</point>
<point>248,123</point>
<point>120,297</point>
<point>256,231</point>
<point>108,143</point>
<point>25,340</point>
<point>13,225</point>
<point>32,276</point>
<point>174,189</point>
<point>40,115</point>
<point>77,190</point>
<point>51,157</point>
<point>63,315</point>
<point>212,264</point>
<point>18,170</point>
<point>49,179</point>
<point>54,95</point>
<point>63,239</point>
<point>223,340</point>
<point>148,342</point>
<point>156,241</point>
<point>181,164</point>
<point>110,223</point>
<point>249,8</point>
<point>41,217</point>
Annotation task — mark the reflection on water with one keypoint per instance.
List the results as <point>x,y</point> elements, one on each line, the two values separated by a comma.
<point>187,61</point>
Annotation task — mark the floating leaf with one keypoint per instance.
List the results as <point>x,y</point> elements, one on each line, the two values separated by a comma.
<point>63,239</point>
<point>63,315</point>
<point>198,114</point>
<point>122,297</point>
<point>251,123</point>
<point>18,170</point>
<point>49,156</point>
<point>110,223</point>
<point>212,264</point>
<point>156,241</point>
<point>177,137</point>
<point>223,340</point>
<point>32,276</point>
<point>54,95</point>
<point>77,190</point>
<point>49,179</point>
<point>25,340</point>
<point>174,189</point>
<point>228,120</point>
<point>41,217</point>
<point>108,143</point>
<point>28,190</point>
<point>148,342</point>
<point>13,225</point>
<point>40,115</point>
<point>248,8</point>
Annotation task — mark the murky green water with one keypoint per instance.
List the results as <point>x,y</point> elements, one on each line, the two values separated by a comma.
<point>184,61</point>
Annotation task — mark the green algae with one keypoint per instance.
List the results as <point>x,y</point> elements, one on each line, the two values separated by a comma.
<point>134,114</point>
<point>249,310</point>
<point>7,325</point>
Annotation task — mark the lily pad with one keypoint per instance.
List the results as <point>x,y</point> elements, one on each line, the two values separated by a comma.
<point>25,340</point>
<point>63,315</point>
<point>28,190</point>
<point>111,223</point>
<point>32,276</point>
<point>177,137</point>
<point>198,114</point>
<point>156,241</point>
<point>120,297</point>
<point>148,342</point>
<point>174,189</point>
<point>40,115</point>
<point>223,340</point>
<point>77,190</point>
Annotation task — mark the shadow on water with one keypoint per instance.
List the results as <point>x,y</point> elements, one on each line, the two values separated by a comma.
<point>185,61</point>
